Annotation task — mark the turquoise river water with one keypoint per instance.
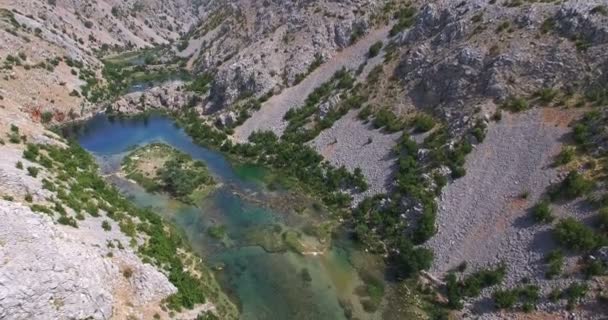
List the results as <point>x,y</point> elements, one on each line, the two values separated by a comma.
<point>266,284</point>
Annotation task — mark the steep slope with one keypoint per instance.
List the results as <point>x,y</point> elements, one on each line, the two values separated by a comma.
<point>256,47</point>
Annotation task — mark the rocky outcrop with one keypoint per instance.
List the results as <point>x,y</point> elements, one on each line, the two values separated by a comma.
<point>168,96</point>
<point>257,47</point>
<point>458,54</point>
<point>56,272</point>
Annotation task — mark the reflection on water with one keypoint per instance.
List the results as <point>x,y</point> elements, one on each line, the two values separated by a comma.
<point>267,284</point>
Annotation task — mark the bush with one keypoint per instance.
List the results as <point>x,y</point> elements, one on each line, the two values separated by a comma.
<point>555,261</point>
<point>526,296</point>
<point>423,123</point>
<point>603,218</point>
<point>515,104</point>
<point>88,24</point>
<point>374,50</point>
<point>479,280</point>
<point>541,212</point>
<point>33,171</point>
<point>574,235</point>
<point>565,156</point>
<point>575,185</point>
<point>46,117</point>
<point>574,293</point>
<point>106,225</point>
<point>65,220</point>
<point>19,165</point>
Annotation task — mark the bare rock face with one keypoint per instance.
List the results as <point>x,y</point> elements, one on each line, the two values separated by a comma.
<point>259,46</point>
<point>56,272</point>
<point>169,96</point>
<point>457,54</point>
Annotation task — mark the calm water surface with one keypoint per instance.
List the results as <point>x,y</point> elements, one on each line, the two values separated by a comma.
<point>266,285</point>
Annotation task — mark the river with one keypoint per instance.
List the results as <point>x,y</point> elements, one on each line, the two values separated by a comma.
<point>266,283</point>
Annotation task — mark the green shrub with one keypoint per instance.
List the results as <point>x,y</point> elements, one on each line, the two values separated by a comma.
<point>574,235</point>
<point>575,185</point>
<point>594,268</point>
<point>565,156</point>
<point>454,294</point>
<point>574,293</point>
<point>374,50</point>
<point>515,104</point>
<point>46,116</point>
<point>479,280</point>
<point>423,123</point>
<point>217,232</point>
<point>526,296</point>
<point>19,165</point>
<point>541,212</point>
<point>603,218</point>
<point>555,262</point>
<point>65,220</point>
<point>33,171</point>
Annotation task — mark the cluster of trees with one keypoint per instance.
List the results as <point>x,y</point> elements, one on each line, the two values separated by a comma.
<point>181,175</point>
<point>295,160</point>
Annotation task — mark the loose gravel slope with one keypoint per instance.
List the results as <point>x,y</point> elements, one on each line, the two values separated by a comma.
<point>270,116</point>
<point>347,143</point>
<point>483,216</point>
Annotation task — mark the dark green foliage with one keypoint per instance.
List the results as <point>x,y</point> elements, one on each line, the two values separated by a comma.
<point>65,220</point>
<point>575,185</point>
<point>405,17</point>
<point>180,180</point>
<point>207,316</point>
<point>385,118</point>
<point>423,123</point>
<point>19,165</point>
<point>515,104</point>
<point>548,25</point>
<point>375,49</point>
<point>541,212</point>
<point>217,232</point>
<point>603,219</point>
<point>565,156</point>
<point>555,263</point>
<point>411,259</point>
<point>46,117</point>
<point>472,285</point>
<point>106,225</point>
<point>546,95</point>
<point>201,83</point>
<point>454,294</point>
<point>33,171</point>
<point>526,297</point>
<point>574,293</point>
<point>593,268</point>
<point>574,235</point>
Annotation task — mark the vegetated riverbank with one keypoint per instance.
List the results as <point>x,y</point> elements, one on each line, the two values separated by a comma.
<point>226,232</point>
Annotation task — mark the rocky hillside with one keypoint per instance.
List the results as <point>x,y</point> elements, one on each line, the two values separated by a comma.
<point>256,47</point>
<point>493,100</point>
